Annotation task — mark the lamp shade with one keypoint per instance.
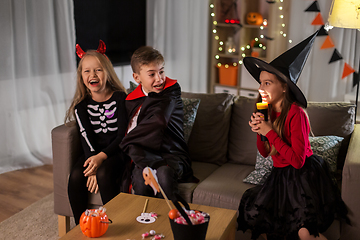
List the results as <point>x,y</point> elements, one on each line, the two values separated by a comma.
<point>345,14</point>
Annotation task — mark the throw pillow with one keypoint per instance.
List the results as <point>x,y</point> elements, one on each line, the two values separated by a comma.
<point>209,137</point>
<point>191,106</point>
<point>328,148</point>
<point>132,87</point>
<point>262,170</point>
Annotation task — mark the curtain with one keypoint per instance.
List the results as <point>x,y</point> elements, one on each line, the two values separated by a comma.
<point>321,81</point>
<point>38,67</point>
<point>179,30</point>
<point>37,78</point>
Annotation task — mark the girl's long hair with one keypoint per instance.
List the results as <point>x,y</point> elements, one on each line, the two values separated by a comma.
<point>112,83</point>
<point>278,124</point>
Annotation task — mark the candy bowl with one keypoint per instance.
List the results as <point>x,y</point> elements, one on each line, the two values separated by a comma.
<point>188,224</point>
<point>192,228</point>
<point>94,222</point>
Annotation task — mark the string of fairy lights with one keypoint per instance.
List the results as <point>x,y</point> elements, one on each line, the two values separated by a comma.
<point>256,41</point>
<point>281,16</point>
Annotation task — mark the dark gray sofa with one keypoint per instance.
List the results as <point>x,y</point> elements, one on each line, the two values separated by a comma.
<point>223,151</point>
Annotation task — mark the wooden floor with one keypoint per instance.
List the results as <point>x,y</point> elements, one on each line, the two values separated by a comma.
<point>19,189</point>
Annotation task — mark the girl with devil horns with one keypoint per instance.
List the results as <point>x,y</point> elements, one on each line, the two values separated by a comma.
<point>98,107</point>
<point>299,199</point>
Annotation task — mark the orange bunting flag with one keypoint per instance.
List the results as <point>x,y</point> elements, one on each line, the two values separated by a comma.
<point>328,43</point>
<point>347,70</point>
<point>318,20</point>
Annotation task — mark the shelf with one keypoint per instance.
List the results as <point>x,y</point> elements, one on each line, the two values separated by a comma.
<point>250,89</point>
<point>223,85</point>
<point>220,88</point>
<point>253,26</point>
<point>231,25</point>
<point>261,58</point>
<point>242,35</point>
<point>224,55</point>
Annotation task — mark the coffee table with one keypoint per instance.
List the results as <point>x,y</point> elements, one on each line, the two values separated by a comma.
<point>124,209</point>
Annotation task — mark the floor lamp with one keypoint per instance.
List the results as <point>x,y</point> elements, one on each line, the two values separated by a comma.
<point>346,14</point>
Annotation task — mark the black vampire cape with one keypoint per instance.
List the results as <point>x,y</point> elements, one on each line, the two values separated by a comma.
<point>158,138</point>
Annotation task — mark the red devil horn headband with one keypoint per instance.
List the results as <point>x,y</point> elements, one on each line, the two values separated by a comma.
<point>101,49</point>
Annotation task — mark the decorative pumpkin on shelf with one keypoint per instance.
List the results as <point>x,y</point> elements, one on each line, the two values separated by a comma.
<point>254,18</point>
<point>257,48</point>
<point>94,222</point>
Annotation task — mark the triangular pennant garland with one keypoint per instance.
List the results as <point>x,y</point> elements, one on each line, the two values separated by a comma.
<point>347,70</point>
<point>322,31</point>
<point>355,78</point>
<point>336,56</point>
<point>314,7</point>
<point>318,20</point>
<point>328,43</point>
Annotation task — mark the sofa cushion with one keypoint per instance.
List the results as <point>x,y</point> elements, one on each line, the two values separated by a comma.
<point>132,87</point>
<point>209,137</point>
<point>242,141</point>
<point>334,118</point>
<point>201,171</point>
<point>191,106</point>
<point>326,147</point>
<point>224,187</point>
<point>262,170</point>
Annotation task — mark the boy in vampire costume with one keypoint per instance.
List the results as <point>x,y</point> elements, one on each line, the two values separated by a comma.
<point>155,136</point>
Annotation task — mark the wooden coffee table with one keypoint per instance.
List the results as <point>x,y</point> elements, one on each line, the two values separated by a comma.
<point>124,209</point>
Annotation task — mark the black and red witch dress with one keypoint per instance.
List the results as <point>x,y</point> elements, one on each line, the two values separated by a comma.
<point>299,191</point>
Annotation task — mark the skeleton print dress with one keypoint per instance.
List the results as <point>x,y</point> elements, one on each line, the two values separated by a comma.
<point>102,125</point>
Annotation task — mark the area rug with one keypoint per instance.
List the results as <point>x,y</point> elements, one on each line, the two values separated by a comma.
<point>38,221</point>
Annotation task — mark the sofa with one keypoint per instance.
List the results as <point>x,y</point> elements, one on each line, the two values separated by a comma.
<point>223,152</point>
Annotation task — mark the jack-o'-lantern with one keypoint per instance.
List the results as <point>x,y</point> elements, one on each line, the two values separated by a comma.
<point>94,222</point>
<point>254,18</point>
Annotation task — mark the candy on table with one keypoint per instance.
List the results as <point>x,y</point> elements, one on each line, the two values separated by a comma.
<point>152,233</point>
<point>195,217</point>
<point>158,236</point>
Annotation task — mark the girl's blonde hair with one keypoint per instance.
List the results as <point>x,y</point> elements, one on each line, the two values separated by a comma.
<point>278,124</point>
<point>112,82</point>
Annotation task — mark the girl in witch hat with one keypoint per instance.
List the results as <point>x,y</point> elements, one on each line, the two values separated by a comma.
<point>299,199</point>
<point>99,110</point>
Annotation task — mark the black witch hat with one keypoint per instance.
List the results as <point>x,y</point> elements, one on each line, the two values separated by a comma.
<point>287,66</point>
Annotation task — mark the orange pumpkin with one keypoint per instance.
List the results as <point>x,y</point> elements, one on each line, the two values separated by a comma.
<point>254,18</point>
<point>94,222</point>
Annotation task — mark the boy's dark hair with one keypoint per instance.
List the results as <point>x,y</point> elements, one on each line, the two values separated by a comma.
<point>143,56</point>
